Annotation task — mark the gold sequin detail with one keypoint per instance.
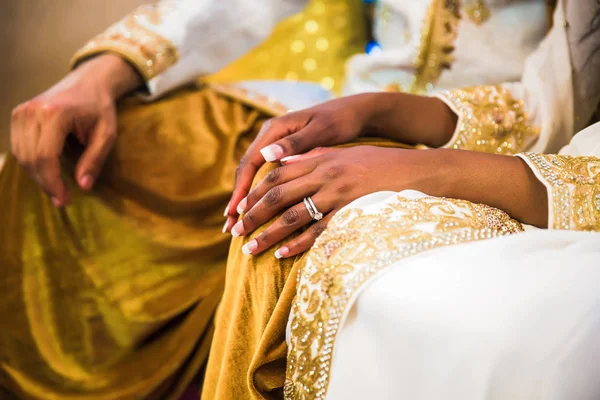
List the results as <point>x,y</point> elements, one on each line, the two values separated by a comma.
<point>574,189</point>
<point>326,31</point>
<point>311,26</point>
<point>478,12</point>
<point>356,246</point>
<point>297,46</point>
<point>438,33</point>
<point>322,44</point>
<point>491,120</point>
<point>268,105</point>
<point>309,64</point>
<point>149,52</point>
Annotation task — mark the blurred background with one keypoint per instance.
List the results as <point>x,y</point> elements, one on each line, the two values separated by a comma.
<point>37,39</point>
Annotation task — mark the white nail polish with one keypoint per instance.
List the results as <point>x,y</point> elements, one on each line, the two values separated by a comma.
<point>237,229</point>
<point>278,254</point>
<point>242,205</point>
<point>225,226</point>
<point>271,153</point>
<point>227,209</point>
<point>249,247</point>
<point>288,158</point>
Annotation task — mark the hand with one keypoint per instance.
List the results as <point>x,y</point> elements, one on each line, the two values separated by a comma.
<point>83,103</point>
<point>334,122</point>
<point>398,116</point>
<point>332,178</point>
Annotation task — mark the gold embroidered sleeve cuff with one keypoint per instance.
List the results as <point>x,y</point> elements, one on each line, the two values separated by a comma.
<point>573,185</point>
<point>147,51</point>
<point>490,120</point>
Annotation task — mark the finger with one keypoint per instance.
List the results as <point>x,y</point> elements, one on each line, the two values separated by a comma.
<point>55,127</point>
<point>305,139</point>
<point>247,168</point>
<point>275,201</point>
<point>319,151</point>
<point>273,179</point>
<point>290,221</point>
<point>24,125</point>
<point>99,145</point>
<point>305,240</point>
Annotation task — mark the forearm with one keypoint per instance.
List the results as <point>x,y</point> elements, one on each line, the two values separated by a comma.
<point>409,119</point>
<point>112,73</point>
<point>504,182</point>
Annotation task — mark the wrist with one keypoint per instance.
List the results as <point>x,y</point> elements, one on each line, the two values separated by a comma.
<point>111,74</point>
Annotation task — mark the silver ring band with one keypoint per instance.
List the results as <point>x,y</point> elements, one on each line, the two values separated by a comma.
<point>312,209</point>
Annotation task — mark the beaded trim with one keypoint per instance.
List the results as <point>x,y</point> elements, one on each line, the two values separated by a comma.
<point>150,53</point>
<point>573,185</point>
<point>439,30</point>
<point>268,105</point>
<point>490,120</point>
<point>356,247</point>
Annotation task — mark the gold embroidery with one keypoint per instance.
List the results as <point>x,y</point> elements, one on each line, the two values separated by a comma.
<point>263,103</point>
<point>356,247</point>
<point>438,33</point>
<point>478,11</point>
<point>491,120</point>
<point>574,189</point>
<point>149,52</point>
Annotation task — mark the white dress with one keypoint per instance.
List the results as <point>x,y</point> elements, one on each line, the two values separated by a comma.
<point>407,296</point>
<point>199,37</point>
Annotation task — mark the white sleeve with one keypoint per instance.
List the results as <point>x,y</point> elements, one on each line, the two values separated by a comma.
<point>556,96</point>
<point>174,41</point>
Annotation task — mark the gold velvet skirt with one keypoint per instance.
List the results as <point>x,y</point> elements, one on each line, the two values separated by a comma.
<point>113,297</point>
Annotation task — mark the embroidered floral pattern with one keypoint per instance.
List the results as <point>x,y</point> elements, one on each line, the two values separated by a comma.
<point>490,120</point>
<point>573,189</point>
<point>149,52</point>
<point>356,247</point>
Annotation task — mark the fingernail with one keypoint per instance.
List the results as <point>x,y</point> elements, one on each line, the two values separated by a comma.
<point>288,158</point>
<point>86,182</point>
<point>225,226</point>
<point>227,209</point>
<point>237,229</point>
<point>249,247</point>
<point>282,252</point>
<point>272,153</point>
<point>242,205</point>
<point>56,202</point>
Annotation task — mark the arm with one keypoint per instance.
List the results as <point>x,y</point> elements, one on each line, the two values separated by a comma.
<point>536,114</point>
<point>173,42</point>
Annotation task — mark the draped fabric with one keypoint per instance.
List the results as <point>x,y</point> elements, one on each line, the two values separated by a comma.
<point>113,297</point>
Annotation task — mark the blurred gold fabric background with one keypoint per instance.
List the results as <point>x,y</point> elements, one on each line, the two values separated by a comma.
<point>37,40</point>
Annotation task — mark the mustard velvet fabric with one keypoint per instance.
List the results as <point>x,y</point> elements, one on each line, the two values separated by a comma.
<point>248,354</point>
<point>113,297</point>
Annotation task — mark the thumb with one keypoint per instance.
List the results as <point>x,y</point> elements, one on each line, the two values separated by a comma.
<point>99,145</point>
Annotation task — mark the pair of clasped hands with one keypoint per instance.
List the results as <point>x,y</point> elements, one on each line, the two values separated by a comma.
<point>84,103</point>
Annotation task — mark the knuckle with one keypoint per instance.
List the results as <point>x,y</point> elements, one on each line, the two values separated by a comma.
<point>273,176</point>
<point>291,217</point>
<point>273,196</point>
<point>264,237</point>
<point>49,110</point>
<point>333,172</point>
<point>345,187</point>
<point>249,220</point>
<point>317,229</point>
<point>293,143</point>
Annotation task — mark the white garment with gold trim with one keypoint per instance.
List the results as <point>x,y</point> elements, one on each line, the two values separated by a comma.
<point>195,38</point>
<point>416,297</point>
